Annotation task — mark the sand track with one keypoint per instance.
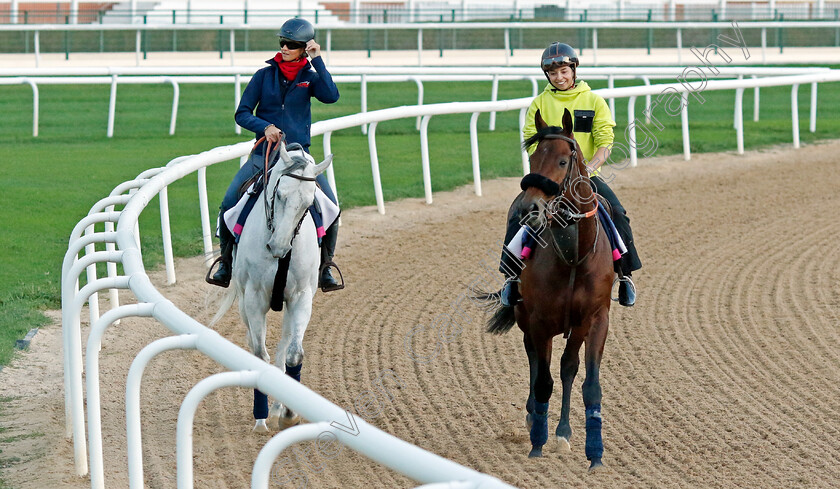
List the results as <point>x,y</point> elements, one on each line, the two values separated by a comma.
<point>725,374</point>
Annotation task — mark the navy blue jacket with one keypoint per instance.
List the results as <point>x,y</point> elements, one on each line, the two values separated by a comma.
<point>283,103</point>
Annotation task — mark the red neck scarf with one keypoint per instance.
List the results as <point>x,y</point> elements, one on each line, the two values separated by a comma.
<point>290,69</point>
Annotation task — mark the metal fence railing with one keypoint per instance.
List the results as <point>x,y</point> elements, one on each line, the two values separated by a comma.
<point>436,37</point>
<point>63,13</point>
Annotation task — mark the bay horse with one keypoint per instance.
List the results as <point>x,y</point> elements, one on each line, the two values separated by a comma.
<point>278,224</point>
<point>565,284</point>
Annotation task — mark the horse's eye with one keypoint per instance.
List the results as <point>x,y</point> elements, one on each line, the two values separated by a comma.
<point>563,162</point>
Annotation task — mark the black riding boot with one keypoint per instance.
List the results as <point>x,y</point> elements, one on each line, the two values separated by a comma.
<point>223,274</point>
<point>326,281</point>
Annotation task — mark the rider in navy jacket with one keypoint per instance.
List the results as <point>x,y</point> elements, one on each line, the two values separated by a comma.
<point>277,101</point>
<point>283,103</point>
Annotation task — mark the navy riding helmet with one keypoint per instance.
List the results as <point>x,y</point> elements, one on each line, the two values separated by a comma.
<point>298,30</point>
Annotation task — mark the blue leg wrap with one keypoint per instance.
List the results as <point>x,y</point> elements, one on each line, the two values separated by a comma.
<point>294,372</point>
<point>539,429</point>
<point>594,445</point>
<point>529,406</point>
<point>260,405</point>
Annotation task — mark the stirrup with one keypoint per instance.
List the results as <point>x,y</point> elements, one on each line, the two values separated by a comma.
<point>339,285</point>
<point>622,278</point>
<point>209,277</point>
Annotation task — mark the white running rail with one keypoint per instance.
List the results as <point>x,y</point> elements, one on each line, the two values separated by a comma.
<point>237,75</point>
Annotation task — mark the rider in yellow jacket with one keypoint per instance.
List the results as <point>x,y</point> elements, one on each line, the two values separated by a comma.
<point>593,130</point>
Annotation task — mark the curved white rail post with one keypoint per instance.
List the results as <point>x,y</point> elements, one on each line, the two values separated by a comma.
<point>474,152</point>
<point>424,157</point>
<point>611,100</point>
<point>279,442</point>
<point>794,113</point>
<point>107,205</point>
<point>184,430</point>
<point>97,466</point>
<point>684,123</point>
<point>176,95</point>
<point>119,193</point>
<point>648,109</point>
<point>739,119</point>
<point>36,100</point>
<point>374,168</point>
<point>526,166</point>
<point>813,125</point>
<point>206,232</point>
<point>736,109</point>
<point>166,235</point>
<point>75,363</point>
<point>420,97</point>
<point>134,437</point>
<point>535,87</point>
<point>69,290</point>
<point>494,96</point>
<point>594,47</point>
<point>756,100</point>
<point>112,105</point>
<point>93,302</point>
<point>631,126</point>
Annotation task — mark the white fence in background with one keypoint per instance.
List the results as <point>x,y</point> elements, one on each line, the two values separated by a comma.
<point>114,76</point>
<point>504,28</point>
<point>122,246</point>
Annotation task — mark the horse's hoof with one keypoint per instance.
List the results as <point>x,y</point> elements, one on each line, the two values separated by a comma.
<point>595,465</point>
<point>289,422</point>
<point>536,452</point>
<point>260,426</point>
<point>529,420</point>
<point>564,444</point>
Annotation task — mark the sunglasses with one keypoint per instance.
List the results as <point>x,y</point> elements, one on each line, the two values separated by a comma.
<point>557,60</point>
<point>291,44</point>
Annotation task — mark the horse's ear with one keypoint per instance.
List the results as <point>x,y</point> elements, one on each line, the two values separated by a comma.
<point>538,121</point>
<point>320,167</point>
<point>284,155</point>
<point>568,123</point>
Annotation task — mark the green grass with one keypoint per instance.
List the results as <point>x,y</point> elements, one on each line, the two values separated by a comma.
<point>49,183</point>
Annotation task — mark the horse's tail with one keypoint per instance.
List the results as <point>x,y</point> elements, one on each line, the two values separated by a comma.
<point>227,301</point>
<point>503,317</point>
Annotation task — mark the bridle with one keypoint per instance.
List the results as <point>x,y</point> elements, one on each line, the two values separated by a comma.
<point>567,181</point>
<point>269,205</point>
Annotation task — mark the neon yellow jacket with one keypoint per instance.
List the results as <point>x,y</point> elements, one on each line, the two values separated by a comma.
<point>551,104</point>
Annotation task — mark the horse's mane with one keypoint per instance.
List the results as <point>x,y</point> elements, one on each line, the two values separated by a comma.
<point>541,134</point>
